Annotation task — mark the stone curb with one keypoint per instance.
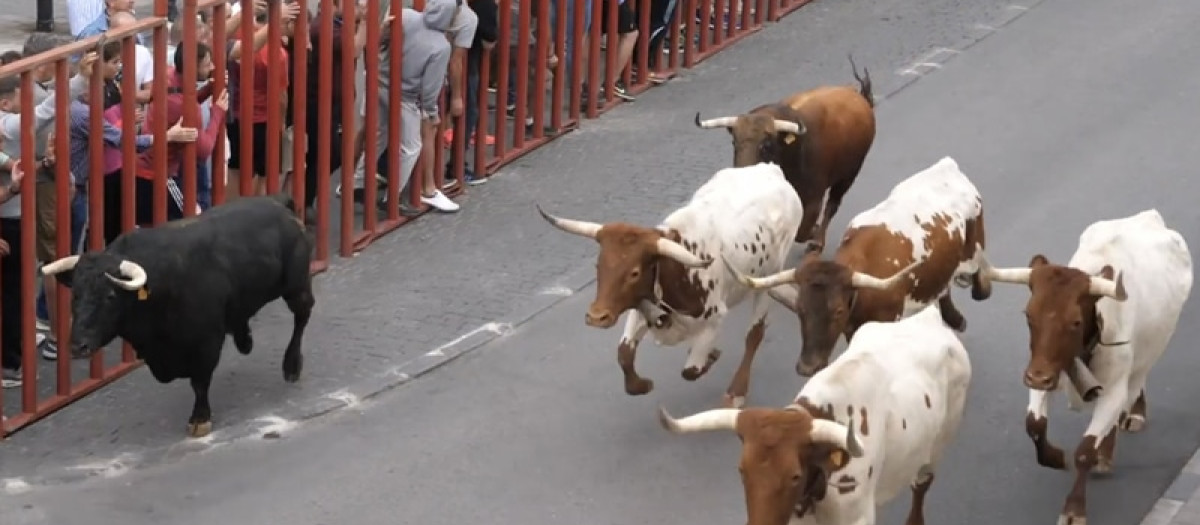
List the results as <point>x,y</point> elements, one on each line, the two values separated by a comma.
<point>1180,503</point>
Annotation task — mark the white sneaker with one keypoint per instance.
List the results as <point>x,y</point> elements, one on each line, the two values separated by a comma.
<point>441,202</point>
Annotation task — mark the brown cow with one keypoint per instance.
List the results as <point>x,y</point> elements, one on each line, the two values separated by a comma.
<point>931,225</point>
<point>819,137</point>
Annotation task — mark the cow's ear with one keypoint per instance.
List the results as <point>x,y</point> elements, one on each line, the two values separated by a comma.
<point>828,457</point>
<point>1038,260</point>
<point>66,278</point>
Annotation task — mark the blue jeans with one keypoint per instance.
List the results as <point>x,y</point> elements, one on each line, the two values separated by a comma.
<point>472,109</point>
<point>203,184</point>
<point>78,222</point>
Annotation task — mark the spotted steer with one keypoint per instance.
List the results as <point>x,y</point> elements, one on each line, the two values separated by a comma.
<point>929,227</point>
<point>1114,305</point>
<point>671,276</point>
<point>875,421</point>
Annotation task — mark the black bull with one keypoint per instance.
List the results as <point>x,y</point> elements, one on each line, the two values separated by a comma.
<point>173,292</point>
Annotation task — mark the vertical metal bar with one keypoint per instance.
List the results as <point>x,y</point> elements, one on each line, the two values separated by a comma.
<point>481,127</point>
<point>27,289</point>
<point>324,120</point>
<point>523,25</point>
<point>542,49</point>
<point>578,67</point>
<point>300,107</point>
<point>246,100</point>
<point>611,50</point>
<point>220,69</point>
<point>63,184</point>
<point>348,70</point>
<point>594,57</point>
<point>642,59</point>
<point>96,179</point>
<point>160,127</point>
<point>191,109</point>
<point>673,37</point>
<point>277,69</point>
<point>504,45</point>
<point>560,70</point>
<point>395,126</point>
<point>691,46</point>
<point>371,119</point>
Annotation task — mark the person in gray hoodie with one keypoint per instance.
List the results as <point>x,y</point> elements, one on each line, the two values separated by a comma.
<point>426,56</point>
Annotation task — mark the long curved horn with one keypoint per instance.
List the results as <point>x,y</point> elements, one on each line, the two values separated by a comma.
<point>758,283</point>
<point>1110,288</point>
<point>1004,275</point>
<point>783,126</point>
<point>720,122</point>
<point>862,280</point>
<point>826,431</point>
<point>581,228</point>
<point>62,265</point>
<point>135,273</point>
<point>668,248</point>
<point>715,419</point>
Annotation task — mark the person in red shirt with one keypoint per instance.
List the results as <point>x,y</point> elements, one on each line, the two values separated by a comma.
<point>260,105</point>
<point>206,139</point>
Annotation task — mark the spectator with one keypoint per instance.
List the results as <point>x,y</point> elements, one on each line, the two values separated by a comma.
<point>205,141</point>
<point>80,13</point>
<point>9,57</point>
<point>462,36</point>
<point>258,97</point>
<point>338,109</point>
<point>426,55</point>
<point>10,211</point>
<point>203,164</point>
<point>485,38</point>
<point>81,131</point>
<point>661,12</point>
<point>46,191</point>
<point>101,23</point>
<point>568,54</point>
<point>143,67</point>
<point>627,35</point>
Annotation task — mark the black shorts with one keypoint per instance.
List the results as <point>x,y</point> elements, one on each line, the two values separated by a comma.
<point>626,19</point>
<point>233,131</point>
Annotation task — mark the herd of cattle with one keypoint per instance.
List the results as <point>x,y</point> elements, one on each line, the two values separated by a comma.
<point>867,423</point>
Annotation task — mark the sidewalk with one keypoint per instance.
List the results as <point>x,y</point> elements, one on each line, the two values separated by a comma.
<point>430,291</point>
<point>1180,504</point>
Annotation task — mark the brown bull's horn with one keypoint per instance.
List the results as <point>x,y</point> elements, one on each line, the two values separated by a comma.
<point>668,248</point>
<point>1114,288</point>
<point>784,126</point>
<point>1004,275</point>
<point>715,419</point>
<point>837,434</point>
<point>65,264</point>
<point>862,280</point>
<point>582,228</point>
<point>722,122</point>
<point>134,272</point>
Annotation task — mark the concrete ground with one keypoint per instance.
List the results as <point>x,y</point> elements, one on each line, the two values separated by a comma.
<point>1067,113</point>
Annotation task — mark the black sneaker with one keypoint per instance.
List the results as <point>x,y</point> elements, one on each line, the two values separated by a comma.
<point>10,378</point>
<point>48,348</point>
<point>620,90</point>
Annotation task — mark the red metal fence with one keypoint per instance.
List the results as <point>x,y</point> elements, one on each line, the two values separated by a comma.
<point>554,66</point>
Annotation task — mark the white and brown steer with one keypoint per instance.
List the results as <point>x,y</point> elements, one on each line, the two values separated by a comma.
<point>901,387</point>
<point>670,274</point>
<point>1086,311</point>
<point>929,228</point>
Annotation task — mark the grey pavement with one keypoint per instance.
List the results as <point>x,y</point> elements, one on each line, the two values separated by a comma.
<point>1049,115</point>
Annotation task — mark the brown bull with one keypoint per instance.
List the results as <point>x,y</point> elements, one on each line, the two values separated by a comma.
<point>819,138</point>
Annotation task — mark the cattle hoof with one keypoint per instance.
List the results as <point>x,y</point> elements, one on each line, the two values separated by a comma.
<point>1134,424</point>
<point>199,430</point>
<point>732,401</point>
<point>638,387</point>
<point>692,373</point>
<point>292,368</point>
<point>1067,519</point>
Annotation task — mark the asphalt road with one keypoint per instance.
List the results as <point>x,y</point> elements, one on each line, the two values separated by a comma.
<point>1075,112</point>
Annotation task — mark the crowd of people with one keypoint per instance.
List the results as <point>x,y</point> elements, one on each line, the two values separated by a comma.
<point>443,43</point>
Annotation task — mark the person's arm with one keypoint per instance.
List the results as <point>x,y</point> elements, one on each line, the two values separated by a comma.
<point>260,39</point>
<point>462,42</point>
<point>432,80</point>
<point>43,113</point>
<point>206,141</point>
